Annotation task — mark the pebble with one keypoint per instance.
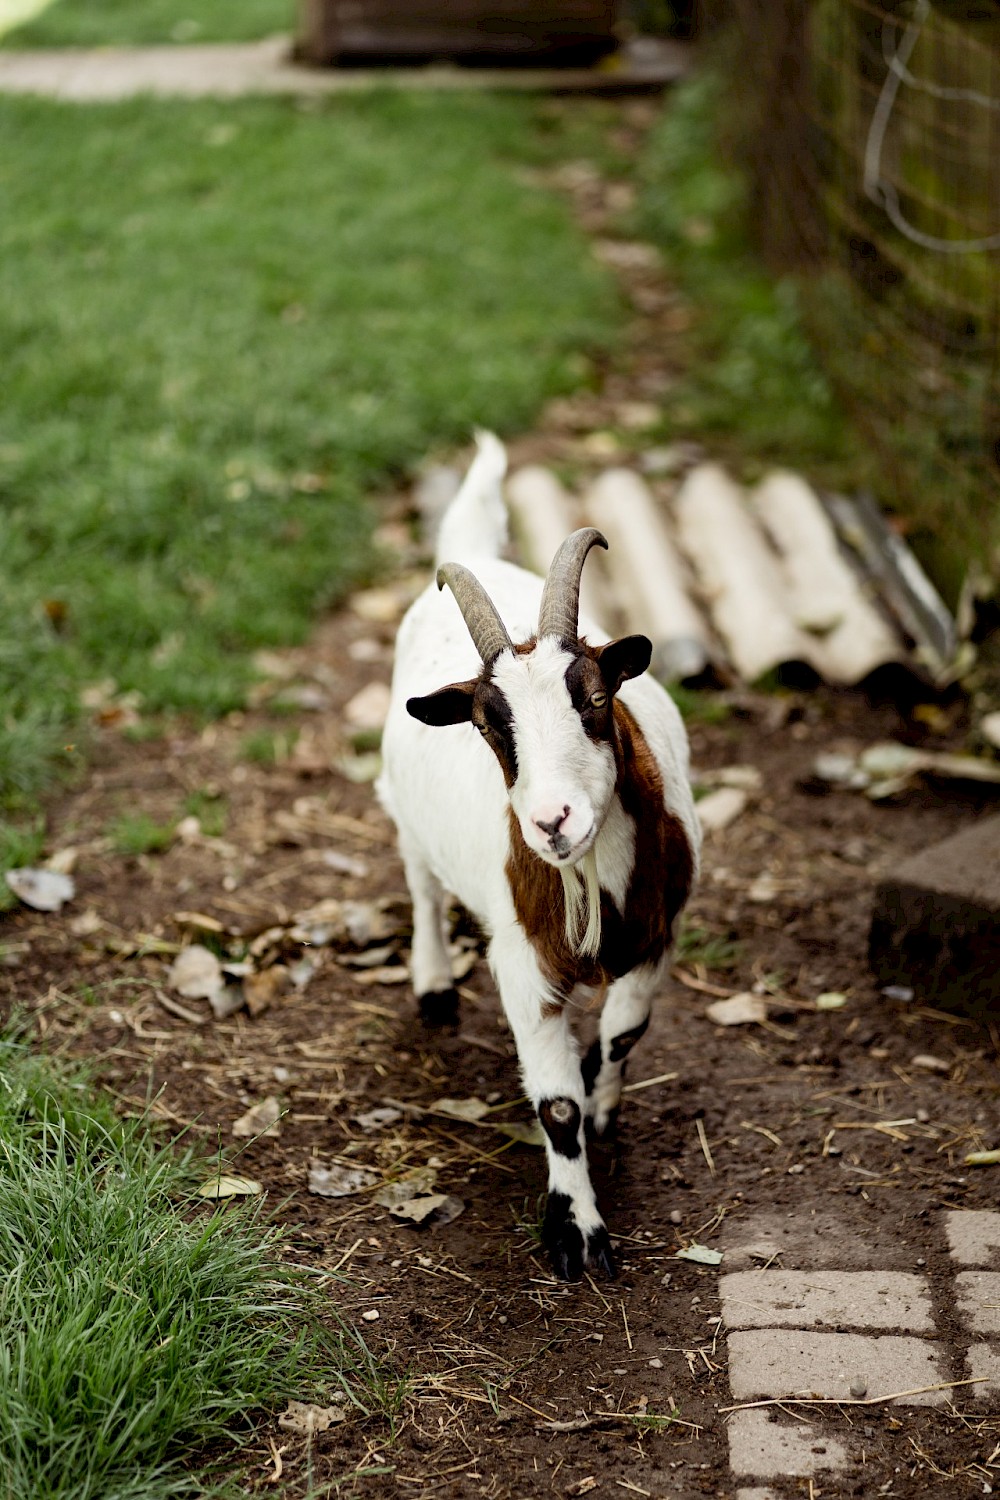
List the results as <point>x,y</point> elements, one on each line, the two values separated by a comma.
<point>796,1170</point>
<point>859,1388</point>
<point>676,1217</point>
<point>371,1316</point>
<point>656,1364</point>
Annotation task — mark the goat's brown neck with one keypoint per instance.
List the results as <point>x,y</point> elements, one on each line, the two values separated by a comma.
<point>658,887</point>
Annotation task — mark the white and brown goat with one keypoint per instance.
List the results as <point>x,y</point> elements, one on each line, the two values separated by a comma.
<point>556,807</point>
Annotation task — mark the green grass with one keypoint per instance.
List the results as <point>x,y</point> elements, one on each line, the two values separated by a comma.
<point>223,325</point>
<point>103,23</point>
<point>21,845</point>
<point>752,385</point>
<point>138,833</point>
<point>697,945</point>
<point>139,1326</point>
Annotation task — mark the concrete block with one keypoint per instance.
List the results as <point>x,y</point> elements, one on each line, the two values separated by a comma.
<point>978,1296</point>
<point>775,1362</point>
<point>936,922</point>
<point>766,1449</point>
<point>983,1360</point>
<point>973,1235</point>
<point>835,1299</point>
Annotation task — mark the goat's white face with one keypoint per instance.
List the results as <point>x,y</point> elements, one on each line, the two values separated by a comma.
<point>547,713</point>
<point>564,776</point>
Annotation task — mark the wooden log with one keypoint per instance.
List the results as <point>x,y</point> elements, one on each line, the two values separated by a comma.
<point>543,515</point>
<point>826,597</point>
<point>739,574</point>
<point>650,578</point>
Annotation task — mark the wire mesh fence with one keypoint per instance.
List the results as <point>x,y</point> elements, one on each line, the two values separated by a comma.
<point>871,132</point>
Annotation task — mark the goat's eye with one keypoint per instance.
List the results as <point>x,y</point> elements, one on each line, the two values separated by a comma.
<point>598,700</point>
<point>483,728</point>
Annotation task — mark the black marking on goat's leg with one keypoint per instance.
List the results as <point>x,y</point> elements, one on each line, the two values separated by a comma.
<point>591,1066</point>
<point>562,1238</point>
<point>439,1007</point>
<point>622,1044</point>
<point>560,1119</point>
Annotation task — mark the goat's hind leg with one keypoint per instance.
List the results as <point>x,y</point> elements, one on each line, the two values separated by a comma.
<point>624,1020</point>
<point>430,964</point>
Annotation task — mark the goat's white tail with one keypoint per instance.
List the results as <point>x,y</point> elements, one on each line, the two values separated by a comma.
<point>475,523</point>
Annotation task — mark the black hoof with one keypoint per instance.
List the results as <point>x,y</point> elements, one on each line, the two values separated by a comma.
<point>562,1239</point>
<point>439,1008</point>
<point>600,1255</point>
<point>568,1251</point>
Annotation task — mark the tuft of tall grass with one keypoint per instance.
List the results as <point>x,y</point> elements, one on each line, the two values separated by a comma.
<point>138,1326</point>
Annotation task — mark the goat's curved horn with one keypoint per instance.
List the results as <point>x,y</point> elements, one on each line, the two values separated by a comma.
<point>560,608</point>
<point>489,634</point>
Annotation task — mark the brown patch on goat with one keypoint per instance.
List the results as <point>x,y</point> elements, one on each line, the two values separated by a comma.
<point>642,933</point>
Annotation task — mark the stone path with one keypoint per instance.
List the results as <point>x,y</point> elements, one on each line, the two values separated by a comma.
<point>93,75</point>
<point>888,1342</point>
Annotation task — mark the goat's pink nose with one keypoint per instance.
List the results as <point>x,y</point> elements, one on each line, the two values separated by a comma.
<point>552,825</point>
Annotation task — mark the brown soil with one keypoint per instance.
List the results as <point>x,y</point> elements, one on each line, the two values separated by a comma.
<point>511,1383</point>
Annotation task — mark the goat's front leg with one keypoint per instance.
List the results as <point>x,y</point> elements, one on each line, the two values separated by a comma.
<point>623,1022</point>
<point>573,1232</point>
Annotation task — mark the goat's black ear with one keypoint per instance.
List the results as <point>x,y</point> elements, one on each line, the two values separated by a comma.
<point>449,705</point>
<point>628,657</point>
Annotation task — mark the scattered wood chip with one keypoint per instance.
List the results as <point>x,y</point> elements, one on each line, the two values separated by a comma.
<point>228,1185</point>
<point>260,1119</point>
<point>831,1000</point>
<point>929,1063</point>
<point>739,1010</point>
<point>304,1418</point>
<point>378,1119</point>
<point>384,974</point>
<point>702,1255</point>
<point>42,890</point>
<point>345,864</point>
<point>86,924</point>
<point>199,921</point>
<point>63,861</point>
<point>582,1486</point>
<point>982,1159</point>
<point>339,1182</point>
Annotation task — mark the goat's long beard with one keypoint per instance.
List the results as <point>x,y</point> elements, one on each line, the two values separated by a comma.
<point>582,894</point>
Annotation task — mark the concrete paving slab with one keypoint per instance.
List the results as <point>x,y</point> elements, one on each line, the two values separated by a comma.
<point>978,1297</point>
<point>762,1447</point>
<point>936,922</point>
<point>973,1236</point>
<point>834,1299</point>
<point>983,1360</point>
<point>776,1362</point>
<point>222,69</point>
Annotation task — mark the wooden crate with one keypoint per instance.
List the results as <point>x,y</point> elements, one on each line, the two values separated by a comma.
<point>526,32</point>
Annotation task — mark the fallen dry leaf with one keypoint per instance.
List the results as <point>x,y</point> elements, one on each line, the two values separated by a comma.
<point>377,1119</point>
<point>701,1255</point>
<point>738,1010</point>
<point>339,1182</point>
<point>305,1418</point>
<point>42,890</point>
<point>226,1185</point>
<point>368,708</point>
<point>260,1119</point>
<point>416,1183</point>
<point>720,808</point>
<point>196,973</point>
<point>261,990</point>
<point>461,1109</point>
<point>435,1208</point>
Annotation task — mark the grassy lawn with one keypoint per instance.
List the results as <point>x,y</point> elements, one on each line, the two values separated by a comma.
<point>138,1324</point>
<point>104,23</point>
<point>223,325</point>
